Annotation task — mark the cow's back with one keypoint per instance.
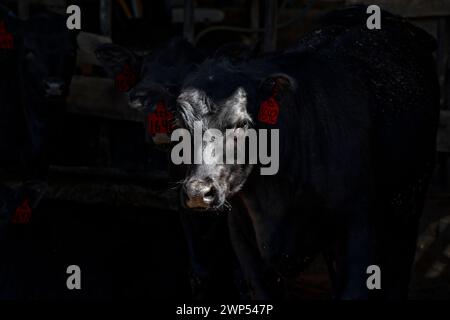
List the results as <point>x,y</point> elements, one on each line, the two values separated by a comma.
<point>397,68</point>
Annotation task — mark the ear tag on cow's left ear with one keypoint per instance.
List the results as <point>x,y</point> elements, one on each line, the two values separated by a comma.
<point>126,79</point>
<point>22,215</point>
<point>160,124</point>
<point>6,38</point>
<point>269,110</point>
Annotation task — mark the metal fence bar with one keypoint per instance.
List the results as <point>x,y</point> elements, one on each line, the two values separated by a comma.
<point>188,27</point>
<point>106,17</point>
<point>255,19</point>
<point>23,9</point>
<point>270,25</point>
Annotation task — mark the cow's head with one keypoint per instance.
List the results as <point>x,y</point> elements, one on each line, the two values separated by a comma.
<point>157,76</point>
<point>49,50</point>
<point>163,71</point>
<point>121,64</point>
<point>225,98</point>
<point>154,80</point>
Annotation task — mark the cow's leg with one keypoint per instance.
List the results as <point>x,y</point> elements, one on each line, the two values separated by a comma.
<point>261,281</point>
<point>210,254</point>
<point>389,243</point>
<point>329,260</point>
<point>355,251</point>
<point>400,245</point>
<point>213,265</point>
<point>399,258</point>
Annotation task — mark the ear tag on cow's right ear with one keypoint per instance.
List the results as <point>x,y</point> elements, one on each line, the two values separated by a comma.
<point>22,215</point>
<point>126,79</point>
<point>269,110</point>
<point>160,124</point>
<point>6,38</point>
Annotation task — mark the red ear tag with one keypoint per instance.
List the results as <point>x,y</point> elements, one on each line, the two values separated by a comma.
<point>23,213</point>
<point>6,38</point>
<point>269,111</point>
<point>126,79</point>
<point>160,122</point>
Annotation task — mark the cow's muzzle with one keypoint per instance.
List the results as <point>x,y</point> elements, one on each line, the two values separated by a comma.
<point>199,194</point>
<point>54,87</point>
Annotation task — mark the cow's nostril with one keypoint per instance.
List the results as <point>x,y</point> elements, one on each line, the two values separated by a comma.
<point>199,194</point>
<point>209,196</point>
<point>210,193</point>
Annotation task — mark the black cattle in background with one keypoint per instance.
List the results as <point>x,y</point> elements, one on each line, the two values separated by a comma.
<point>36,76</point>
<point>358,114</point>
<point>37,60</point>
<point>153,81</point>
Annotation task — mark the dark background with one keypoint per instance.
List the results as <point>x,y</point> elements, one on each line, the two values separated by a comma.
<point>109,207</point>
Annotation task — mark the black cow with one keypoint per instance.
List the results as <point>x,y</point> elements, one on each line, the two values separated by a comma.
<point>157,75</point>
<point>357,114</point>
<point>152,82</point>
<point>37,68</point>
<point>37,59</point>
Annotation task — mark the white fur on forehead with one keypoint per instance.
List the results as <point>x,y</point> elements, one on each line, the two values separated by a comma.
<point>194,99</point>
<point>193,105</point>
<point>235,109</point>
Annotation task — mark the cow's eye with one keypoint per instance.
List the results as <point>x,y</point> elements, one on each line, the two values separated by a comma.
<point>243,124</point>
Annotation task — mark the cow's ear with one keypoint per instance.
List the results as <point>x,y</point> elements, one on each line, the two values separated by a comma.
<point>237,108</point>
<point>277,84</point>
<point>115,59</point>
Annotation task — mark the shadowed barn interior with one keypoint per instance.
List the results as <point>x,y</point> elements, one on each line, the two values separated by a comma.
<point>108,202</point>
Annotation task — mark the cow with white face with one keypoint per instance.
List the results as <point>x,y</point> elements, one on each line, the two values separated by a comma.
<point>357,113</point>
<point>152,84</point>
